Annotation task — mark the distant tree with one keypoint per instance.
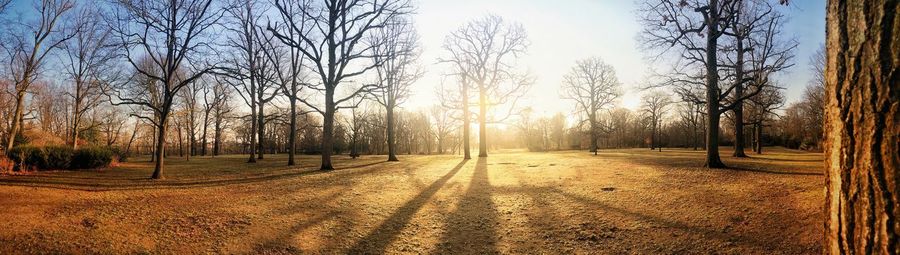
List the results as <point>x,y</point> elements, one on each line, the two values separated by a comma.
<point>172,47</point>
<point>862,128</point>
<point>558,129</point>
<point>444,125</point>
<point>594,86</point>
<point>761,109</point>
<point>655,104</point>
<point>484,51</point>
<point>334,42</point>
<point>26,49</point>
<point>87,56</point>
<point>396,50</point>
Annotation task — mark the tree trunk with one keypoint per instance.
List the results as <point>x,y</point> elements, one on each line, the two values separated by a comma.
<point>253,133</point>
<point>757,130</point>
<point>15,126</point>
<point>160,147</point>
<point>205,134</point>
<point>292,139</point>
<point>328,132</point>
<point>593,135</point>
<point>739,105</point>
<point>862,123</point>
<point>482,122</point>
<point>217,137</point>
<point>466,120</point>
<point>392,145</point>
<point>260,128</point>
<point>712,90</point>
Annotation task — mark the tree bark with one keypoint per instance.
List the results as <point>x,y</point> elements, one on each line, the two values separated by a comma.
<point>160,147</point>
<point>292,147</point>
<point>392,144</point>
<point>260,128</point>
<point>862,123</point>
<point>712,90</point>
<point>328,132</point>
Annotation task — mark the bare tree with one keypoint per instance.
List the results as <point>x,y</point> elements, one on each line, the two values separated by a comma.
<point>334,42</point>
<point>862,127</point>
<point>484,52</point>
<point>692,29</point>
<point>289,66</point>
<point>397,50</point>
<point>250,71</point>
<point>761,110</point>
<point>444,126</point>
<point>655,104</point>
<point>594,86</point>
<point>172,41</point>
<point>27,48</point>
<point>87,53</point>
<point>755,52</point>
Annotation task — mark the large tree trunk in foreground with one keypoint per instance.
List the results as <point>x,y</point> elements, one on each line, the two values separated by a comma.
<point>862,123</point>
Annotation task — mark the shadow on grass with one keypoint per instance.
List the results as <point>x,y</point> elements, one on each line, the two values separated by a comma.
<point>746,169</point>
<point>139,184</point>
<point>472,227</point>
<point>377,241</point>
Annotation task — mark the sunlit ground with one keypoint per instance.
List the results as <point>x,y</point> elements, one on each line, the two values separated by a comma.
<point>621,201</point>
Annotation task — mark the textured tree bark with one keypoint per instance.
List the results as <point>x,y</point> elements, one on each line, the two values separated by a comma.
<point>862,127</point>
<point>160,147</point>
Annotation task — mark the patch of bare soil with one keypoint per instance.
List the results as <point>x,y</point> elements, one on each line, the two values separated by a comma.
<point>621,201</point>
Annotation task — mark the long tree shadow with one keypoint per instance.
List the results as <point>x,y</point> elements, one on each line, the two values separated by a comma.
<point>472,227</point>
<point>378,239</point>
<point>142,184</point>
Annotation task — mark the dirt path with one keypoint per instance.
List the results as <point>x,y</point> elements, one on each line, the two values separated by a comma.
<point>628,201</point>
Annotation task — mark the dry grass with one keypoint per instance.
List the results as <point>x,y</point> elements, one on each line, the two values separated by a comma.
<point>621,201</point>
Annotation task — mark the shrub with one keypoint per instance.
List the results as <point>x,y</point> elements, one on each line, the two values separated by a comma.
<point>91,157</point>
<point>42,158</point>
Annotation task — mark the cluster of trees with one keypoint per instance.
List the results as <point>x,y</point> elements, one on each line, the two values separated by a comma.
<point>204,77</point>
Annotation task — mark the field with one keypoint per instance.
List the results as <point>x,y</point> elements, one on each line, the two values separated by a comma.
<point>632,201</point>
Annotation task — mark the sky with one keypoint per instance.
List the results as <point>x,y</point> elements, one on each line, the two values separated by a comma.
<point>562,32</point>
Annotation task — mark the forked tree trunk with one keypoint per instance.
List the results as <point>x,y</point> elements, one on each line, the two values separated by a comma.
<point>862,124</point>
<point>160,146</point>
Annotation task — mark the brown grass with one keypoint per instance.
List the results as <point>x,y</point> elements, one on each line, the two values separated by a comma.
<point>621,201</point>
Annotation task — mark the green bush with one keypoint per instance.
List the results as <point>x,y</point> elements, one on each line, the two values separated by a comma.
<point>42,158</point>
<point>92,157</point>
<point>60,157</point>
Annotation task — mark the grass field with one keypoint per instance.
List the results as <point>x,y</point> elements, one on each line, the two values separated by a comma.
<point>620,201</point>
